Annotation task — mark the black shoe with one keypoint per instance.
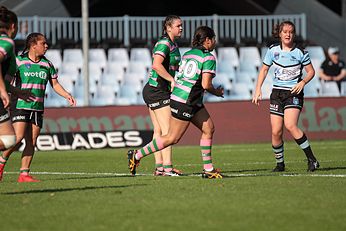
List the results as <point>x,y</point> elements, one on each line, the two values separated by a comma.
<point>280,167</point>
<point>313,165</point>
<point>133,163</point>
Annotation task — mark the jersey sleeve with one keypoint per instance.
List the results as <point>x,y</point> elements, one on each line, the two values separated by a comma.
<point>162,48</point>
<point>6,48</point>
<point>52,71</point>
<point>306,58</point>
<point>268,58</point>
<point>209,65</point>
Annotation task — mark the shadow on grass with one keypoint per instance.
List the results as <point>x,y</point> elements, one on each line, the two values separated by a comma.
<point>81,177</point>
<point>54,190</point>
<point>331,168</point>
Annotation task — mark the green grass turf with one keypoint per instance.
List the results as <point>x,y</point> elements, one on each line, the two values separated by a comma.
<point>92,190</point>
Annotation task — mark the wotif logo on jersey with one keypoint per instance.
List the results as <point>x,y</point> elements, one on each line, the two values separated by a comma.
<point>41,74</point>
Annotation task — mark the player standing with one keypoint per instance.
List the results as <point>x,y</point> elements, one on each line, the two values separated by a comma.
<point>34,71</point>
<point>196,71</point>
<point>287,97</point>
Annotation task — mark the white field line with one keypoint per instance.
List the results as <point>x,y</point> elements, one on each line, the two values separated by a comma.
<point>225,174</point>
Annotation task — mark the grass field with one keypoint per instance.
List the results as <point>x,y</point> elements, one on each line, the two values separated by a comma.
<point>92,190</point>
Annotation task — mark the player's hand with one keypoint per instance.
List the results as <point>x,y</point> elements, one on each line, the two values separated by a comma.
<point>219,91</point>
<point>5,99</point>
<point>256,97</point>
<point>172,85</point>
<point>298,87</point>
<point>72,101</point>
<point>26,95</point>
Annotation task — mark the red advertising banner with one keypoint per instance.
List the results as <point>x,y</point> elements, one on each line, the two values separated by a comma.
<point>235,121</point>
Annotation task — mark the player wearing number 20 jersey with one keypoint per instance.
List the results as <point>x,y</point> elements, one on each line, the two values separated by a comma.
<point>188,89</point>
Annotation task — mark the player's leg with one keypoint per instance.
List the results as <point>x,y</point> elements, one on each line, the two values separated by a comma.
<point>163,116</point>
<point>31,134</point>
<point>204,123</point>
<point>18,128</point>
<point>176,131</point>
<point>291,123</point>
<point>276,122</point>
<point>156,133</point>
<point>7,135</point>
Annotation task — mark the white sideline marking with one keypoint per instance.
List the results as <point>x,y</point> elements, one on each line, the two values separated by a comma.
<point>225,174</point>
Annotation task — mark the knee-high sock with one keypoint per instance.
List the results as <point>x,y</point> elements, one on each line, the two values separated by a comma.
<point>154,146</point>
<point>304,144</point>
<point>279,153</point>
<point>206,145</point>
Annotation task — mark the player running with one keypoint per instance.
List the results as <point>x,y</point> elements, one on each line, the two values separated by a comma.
<point>196,71</point>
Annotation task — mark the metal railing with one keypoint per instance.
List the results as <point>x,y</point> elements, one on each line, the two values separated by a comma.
<point>127,28</point>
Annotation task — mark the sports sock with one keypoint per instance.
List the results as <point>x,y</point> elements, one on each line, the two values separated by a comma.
<point>168,168</point>
<point>304,144</point>
<point>24,171</point>
<point>206,154</point>
<point>154,146</point>
<point>159,167</point>
<point>279,153</point>
<point>3,159</point>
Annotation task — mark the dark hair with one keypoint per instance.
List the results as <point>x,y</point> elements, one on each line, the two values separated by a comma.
<point>279,27</point>
<point>7,18</point>
<point>32,39</point>
<point>201,34</point>
<point>168,22</point>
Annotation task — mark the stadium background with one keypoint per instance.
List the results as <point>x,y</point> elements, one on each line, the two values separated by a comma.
<point>234,127</point>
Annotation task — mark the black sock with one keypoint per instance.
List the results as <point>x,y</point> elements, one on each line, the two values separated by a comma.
<point>304,144</point>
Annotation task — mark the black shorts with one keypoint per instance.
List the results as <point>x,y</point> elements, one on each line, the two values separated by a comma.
<point>283,99</point>
<point>34,117</point>
<point>155,98</point>
<point>4,114</point>
<point>183,111</point>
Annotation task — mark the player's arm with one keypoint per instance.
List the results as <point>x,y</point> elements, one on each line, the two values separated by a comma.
<point>207,84</point>
<point>310,73</point>
<point>260,79</point>
<point>161,70</point>
<point>62,92</point>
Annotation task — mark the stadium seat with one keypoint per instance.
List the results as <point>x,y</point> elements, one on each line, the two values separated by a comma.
<point>128,95</point>
<point>222,79</point>
<point>105,95</point>
<point>54,55</point>
<point>95,72</point>
<point>134,79</point>
<point>74,56</point>
<point>266,89</point>
<point>343,89</point>
<point>228,54</point>
<point>316,52</point>
<point>141,55</point>
<point>138,70</point>
<point>223,67</point>
<point>119,55</point>
<point>112,79</point>
<point>250,55</point>
<point>240,91</point>
<point>71,70</point>
<point>98,56</point>
<point>330,89</point>
<point>249,69</point>
<point>245,77</point>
